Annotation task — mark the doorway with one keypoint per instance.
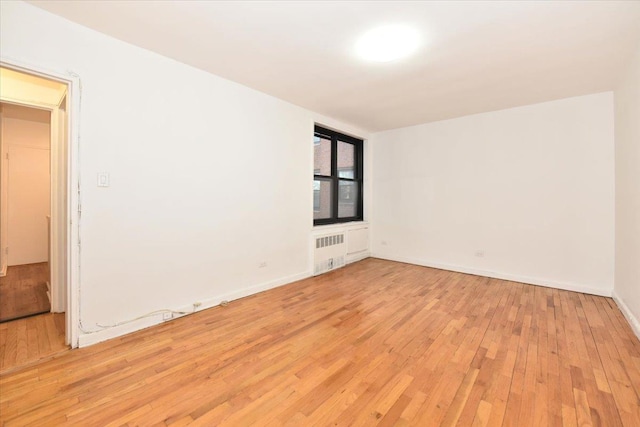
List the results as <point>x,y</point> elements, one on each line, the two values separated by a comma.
<point>26,152</point>
<point>34,217</point>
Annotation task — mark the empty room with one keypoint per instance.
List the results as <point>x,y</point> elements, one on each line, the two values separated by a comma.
<point>314,213</point>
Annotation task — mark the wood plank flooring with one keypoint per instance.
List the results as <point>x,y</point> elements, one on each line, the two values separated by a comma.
<point>23,291</point>
<point>375,343</point>
<point>26,341</point>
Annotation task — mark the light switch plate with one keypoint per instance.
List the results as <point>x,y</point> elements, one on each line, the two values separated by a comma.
<point>103,179</point>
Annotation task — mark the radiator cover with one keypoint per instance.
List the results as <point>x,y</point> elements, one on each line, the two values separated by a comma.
<point>330,252</point>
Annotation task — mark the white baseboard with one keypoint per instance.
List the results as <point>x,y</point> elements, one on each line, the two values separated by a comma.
<point>87,339</point>
<point>498,275</point>
<point>231,296</point>
<point>633,321</point>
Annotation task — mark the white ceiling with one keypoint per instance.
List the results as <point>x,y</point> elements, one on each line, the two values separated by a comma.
<point>477,56</point>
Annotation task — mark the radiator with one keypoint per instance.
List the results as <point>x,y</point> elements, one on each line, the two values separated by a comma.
<point>330,253</point>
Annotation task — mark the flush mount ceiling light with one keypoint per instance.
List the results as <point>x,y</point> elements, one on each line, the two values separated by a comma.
<point>388,43</point>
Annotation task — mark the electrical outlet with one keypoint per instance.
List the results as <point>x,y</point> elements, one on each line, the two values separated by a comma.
<point>167,316</point>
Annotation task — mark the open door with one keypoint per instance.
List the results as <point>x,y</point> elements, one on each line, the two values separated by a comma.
<point>3,201</point>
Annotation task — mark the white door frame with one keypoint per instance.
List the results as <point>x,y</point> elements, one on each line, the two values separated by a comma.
<point>72,220</point>
<point>4,221</point>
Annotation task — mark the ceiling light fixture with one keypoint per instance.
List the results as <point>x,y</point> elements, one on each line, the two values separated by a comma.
<point>388,43</point>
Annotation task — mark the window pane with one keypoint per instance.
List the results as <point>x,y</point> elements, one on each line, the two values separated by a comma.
<point>347,199</point>
<point>321,199</point>
<point>321,156</point>
<point>346,160</point>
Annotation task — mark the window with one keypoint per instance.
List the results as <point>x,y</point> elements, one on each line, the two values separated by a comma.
<point>337,177</point>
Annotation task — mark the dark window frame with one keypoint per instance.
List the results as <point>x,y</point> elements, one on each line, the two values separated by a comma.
<point>335,179</point>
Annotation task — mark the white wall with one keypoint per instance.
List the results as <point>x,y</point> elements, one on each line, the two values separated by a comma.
<point>27,144</point>
<point>531,188</point>
<point>627,143</point>
<point>208,178</point>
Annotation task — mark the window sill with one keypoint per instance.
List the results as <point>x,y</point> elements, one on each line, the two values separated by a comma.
<point>340,225</point>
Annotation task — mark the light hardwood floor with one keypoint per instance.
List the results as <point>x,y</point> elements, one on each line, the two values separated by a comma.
<point>375,343</point>
<point>26,341</point>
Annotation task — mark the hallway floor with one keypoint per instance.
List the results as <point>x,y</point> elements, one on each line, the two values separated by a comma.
<point>23,291</point>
